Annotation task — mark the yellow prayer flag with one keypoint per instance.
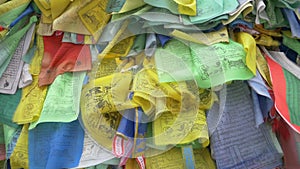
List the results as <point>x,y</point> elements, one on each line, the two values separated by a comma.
<point>249,45</point>
<point>203,38</point>
<point>69,21</point>
<point>93,16</point>
<point>58,7</point>
<point>103,68</point>
<point>107,94</point>
<point>114,41</point>
<point>181,129</point>
<point>19,157</point>
<point>266,40</point>
<point>45,3</point>
<point>155,97</point>
<point>187,7</point>
<point>101,126</point>
<point>35,65</point>
<point>31,104</point>
<point>122,48</point>
<point>45,9</point>
<point>263,67</point>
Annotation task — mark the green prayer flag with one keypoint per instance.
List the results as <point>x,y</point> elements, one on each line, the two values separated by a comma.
<point>8,104</point>
<point>208,65</point>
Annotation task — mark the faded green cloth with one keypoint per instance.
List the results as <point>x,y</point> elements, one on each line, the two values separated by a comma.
<point>276,18</point>
<point>291,4</point>
<point>291,43</point>
<point>2,140</point>
<point>207,10</point>
<point>8,104</point>
<point>114,5</point>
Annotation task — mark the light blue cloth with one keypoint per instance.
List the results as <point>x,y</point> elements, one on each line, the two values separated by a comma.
<point>262,101</point>
<point>151,45</point>
<point>11,146</point>
<point>259,119</point>
<point>55,145</point>
<point>188,157</point>
<point>293,21</point>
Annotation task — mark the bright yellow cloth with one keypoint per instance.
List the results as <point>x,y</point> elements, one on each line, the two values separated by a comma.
<point>187,7</point>
<point>19,157</point>
<point>249,45</point>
